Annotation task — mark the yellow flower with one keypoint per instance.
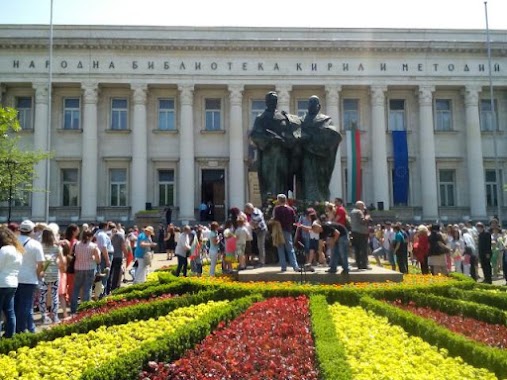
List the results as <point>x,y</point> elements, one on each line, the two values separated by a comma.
<point>68,357</point>
<point>377,350</point>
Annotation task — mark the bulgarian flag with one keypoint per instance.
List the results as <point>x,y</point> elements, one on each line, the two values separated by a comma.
<point>354,185</point>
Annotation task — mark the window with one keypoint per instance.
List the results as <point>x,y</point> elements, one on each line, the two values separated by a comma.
<point>118,186</point>
<point>446,185</point>
<point>71,113</point>
<point>119,114</point>
<point>487,115</point>
<point>70,187</point>
<point>258,107</point>
<point>24,107</point>
<point>213,114</point>
<point>491,187</point>
<point>302,107</point>
<point>397,115</point>
<point>166,187</point>
<point>443,115</point>
<point>350,113</point>
<point>166,120</point>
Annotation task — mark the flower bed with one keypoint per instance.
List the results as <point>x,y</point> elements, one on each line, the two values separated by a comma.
<point>495,299</point>
<point>69,356</point>
<point>377,350</point>
<point>330,351</point>
<point>493,335</point>
<point>271,340</point>
<point>485,313</point>
<point>141,311</point>
<point>155,289</point>
<point>113,304</point>
<point>472,352</point>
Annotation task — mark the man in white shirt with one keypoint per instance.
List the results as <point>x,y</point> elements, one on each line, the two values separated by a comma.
<point>259,228</point>
<point>470,254</point>
<point>28,278</point>
<point>387,244</point>
<point>106,251</point>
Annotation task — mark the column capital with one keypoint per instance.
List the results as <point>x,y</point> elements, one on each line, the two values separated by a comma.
<point>186,94</point>
<point>236,94</point>
<point>377,94</point>
<point>425,94</point>
<point>333,93</point>
<point>471,94</point>
<point>139,92</point>
<point>41,92</point>
<point>90,92</point>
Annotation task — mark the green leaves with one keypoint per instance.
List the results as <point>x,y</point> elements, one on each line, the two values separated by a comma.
<point>17,161</point>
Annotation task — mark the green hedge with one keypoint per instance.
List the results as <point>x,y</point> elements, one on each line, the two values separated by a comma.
<point>498,300</point>
<point>170,346</point>
<point>474,353</point>
<point>451,306</point>
<point>115,317</point>
<point>176,287</point>
<point>330,352</point>
<point>135,287</point>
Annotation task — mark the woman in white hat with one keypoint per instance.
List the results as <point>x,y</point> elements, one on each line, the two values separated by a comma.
<point>144,244</point>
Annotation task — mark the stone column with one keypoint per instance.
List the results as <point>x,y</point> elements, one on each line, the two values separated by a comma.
<point>40,134</point>
<point>236,148</point>
<point>3,90</point>
<point>139,175</point>
<point>379,154</point>
<point>89,174</point>
<point>429,192</point>
<point>333,110</point>
<point>186,170</point>
<point>475,165</point>
<point>283,92</point>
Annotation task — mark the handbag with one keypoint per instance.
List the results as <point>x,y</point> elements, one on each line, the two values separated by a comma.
<point>148,258</point>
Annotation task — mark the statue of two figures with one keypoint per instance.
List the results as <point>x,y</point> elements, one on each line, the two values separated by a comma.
<point>292,147</point>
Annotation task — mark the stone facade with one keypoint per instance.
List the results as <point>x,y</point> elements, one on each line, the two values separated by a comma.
<point>163,110</point>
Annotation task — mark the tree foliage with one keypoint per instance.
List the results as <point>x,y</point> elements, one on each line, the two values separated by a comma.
<point>17,165</point>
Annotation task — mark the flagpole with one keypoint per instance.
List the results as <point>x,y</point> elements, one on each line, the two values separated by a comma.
<point>48,136</point>
<point>499,188</point>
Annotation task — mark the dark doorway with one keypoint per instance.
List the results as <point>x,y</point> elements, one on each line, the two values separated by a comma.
<point>213,193</point>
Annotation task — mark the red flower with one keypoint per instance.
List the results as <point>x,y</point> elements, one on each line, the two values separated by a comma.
<point>487,333</point>
<point>271,340</point>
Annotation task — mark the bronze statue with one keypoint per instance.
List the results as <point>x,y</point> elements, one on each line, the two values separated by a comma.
<point>273,135</point>
<point>289,146</point>
<point>319,143</point>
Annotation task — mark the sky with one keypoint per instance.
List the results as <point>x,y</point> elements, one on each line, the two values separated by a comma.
<point>447,14</point>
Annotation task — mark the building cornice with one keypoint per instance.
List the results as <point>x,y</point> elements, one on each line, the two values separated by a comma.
<point>252,39</point>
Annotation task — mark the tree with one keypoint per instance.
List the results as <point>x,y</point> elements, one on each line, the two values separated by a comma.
<point>17,165</point>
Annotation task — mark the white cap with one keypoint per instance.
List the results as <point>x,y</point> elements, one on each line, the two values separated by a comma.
<point>26,226</point>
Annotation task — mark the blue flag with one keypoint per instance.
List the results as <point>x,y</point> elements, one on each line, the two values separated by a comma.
<point>400,177</point>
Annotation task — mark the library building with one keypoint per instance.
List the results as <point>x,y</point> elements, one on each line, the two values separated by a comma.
<point>145,118</point>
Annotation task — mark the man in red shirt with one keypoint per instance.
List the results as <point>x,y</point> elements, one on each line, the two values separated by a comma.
<point>341,213</point>
<point>286,216</point>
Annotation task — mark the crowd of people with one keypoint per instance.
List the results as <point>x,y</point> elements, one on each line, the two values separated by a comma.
<point>41,268</point>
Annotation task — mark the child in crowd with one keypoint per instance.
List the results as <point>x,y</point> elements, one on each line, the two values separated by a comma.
<point>230,246</point>
<point>242,235</point>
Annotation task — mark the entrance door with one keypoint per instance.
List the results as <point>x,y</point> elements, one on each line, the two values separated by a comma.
<point>213,193</point>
